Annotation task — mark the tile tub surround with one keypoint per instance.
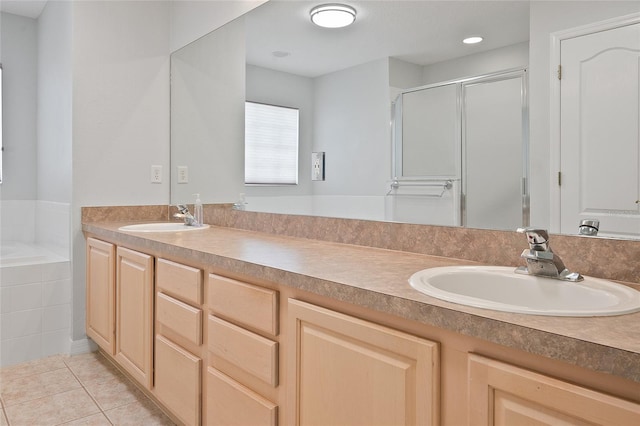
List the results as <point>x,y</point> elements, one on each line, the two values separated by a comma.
<point>35,311</point>
<point>82,389</point>
<point>597,257</point>
<point>35,280</point>
<point>376,279</point>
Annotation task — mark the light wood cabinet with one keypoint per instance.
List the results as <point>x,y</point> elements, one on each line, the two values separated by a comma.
<point>243,366</point>
<point>100,318</point>
<point>502,394</point>
<point>178,380</point>
<point>231,404</point>
<point>181,281</point>
<point>180,318</point>
<point>247,304</point>
<point>134,314</point>
<point>252,353</point>
<point>344,370</point>
<point>215,355</point>
<point>178,357</point>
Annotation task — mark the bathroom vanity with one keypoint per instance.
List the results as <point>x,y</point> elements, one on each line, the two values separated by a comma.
<point>230,326</point>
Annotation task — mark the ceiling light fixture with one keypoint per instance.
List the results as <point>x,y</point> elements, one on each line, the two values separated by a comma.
<point>472,40</point>
<point>333,15</point>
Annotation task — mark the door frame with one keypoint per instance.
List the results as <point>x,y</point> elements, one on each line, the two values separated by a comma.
<point>554,108</point>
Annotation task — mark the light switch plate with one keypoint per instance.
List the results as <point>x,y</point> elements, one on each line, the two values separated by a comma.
<point>183,174</point>
<point>317,166</point>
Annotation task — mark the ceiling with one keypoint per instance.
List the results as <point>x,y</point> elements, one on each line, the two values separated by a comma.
<point>421,32</point>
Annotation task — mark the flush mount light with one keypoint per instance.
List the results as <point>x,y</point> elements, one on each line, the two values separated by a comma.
<point>333,15</point>
<point>472,40</point>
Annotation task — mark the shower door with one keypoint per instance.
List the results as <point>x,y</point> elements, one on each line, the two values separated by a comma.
<point>494,152</point>
<point>473,135</point>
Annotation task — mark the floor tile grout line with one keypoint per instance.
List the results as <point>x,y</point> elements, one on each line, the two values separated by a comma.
<point>4,412</point>
<point>5,405</point>
<point>83,417</point>
<point>125,377</point>
<point>49,396</point>
<point>67,363</point>
<point>33,374</point>
<point>90,396</point>
<point>4,409</point>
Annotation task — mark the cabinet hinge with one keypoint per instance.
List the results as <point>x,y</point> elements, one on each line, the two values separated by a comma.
<point>559,179</point>
<point>559,72</point>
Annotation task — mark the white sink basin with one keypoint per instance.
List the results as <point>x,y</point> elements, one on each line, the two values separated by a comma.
<point>161,227</point>
<point>499,288</point>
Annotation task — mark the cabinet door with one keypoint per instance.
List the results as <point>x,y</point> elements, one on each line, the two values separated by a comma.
<point>178,380</point>
<point>134,314</point>
<point>501,394</point>
<point>100,294</point>
<point>346,371</point>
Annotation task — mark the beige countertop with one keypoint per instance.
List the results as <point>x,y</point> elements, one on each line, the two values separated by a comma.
<point>378,279</point>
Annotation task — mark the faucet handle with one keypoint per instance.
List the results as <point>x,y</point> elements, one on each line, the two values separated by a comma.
<point>538,239</point>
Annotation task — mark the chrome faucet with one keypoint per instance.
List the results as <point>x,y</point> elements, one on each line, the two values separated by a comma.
<point>541,260</point>
<point>183,212</point>
<point>589,227</point>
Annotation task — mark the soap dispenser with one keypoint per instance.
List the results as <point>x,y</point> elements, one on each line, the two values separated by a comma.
<point>198,213</point>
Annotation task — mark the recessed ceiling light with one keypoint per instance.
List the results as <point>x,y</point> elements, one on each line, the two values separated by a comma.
<point>472,40</point>
<point>333,15</point>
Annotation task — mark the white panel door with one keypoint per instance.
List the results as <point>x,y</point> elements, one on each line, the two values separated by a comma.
<point>599,131</point>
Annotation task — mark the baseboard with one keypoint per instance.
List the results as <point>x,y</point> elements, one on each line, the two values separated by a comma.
<point>82,346</point>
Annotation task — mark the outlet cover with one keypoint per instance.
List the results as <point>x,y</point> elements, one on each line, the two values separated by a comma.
<point>317,166</point>
<point>156,174</point>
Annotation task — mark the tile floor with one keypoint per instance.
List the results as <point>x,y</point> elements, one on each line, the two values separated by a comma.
<point>79,390</point>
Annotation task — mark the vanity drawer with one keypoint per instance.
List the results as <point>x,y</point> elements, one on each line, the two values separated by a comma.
<point>179,317</point>
<point>229,403</point>
<point>250,305</point>
<point>178,280</point>
<point>246,350</point>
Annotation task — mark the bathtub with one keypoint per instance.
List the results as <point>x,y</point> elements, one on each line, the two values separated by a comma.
<point>16,253</point>
<point>35,282</point>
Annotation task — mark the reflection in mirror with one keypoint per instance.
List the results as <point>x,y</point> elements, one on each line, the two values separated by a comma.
<point>207,117</point>
<point>1,146</point>
<point>426,132</point>
<point>453,133</point>
<point>348,97</point>
<point>344,81</point>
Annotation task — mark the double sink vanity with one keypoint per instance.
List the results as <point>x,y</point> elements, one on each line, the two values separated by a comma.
<point>231,324</point>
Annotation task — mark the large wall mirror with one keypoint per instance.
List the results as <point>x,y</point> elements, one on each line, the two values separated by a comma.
<point>346,83</point>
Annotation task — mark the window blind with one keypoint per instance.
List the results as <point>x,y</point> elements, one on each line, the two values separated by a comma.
<point>271,144</point>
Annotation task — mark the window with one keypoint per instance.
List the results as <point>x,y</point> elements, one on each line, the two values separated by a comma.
<point>271,145</point>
